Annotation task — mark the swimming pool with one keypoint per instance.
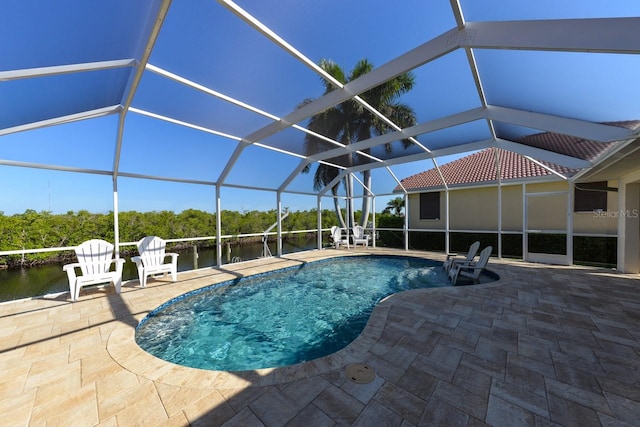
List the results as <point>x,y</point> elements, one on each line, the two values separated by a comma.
<point>283,317</point>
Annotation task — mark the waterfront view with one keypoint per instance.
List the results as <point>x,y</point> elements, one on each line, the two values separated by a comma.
<point>25,282</point>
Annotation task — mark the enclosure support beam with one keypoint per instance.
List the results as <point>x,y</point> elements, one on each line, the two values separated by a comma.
<point>350,212</point>
<point>279,216</point>
<point>373,221</point>
<point>406,222</point>
<point>570,223</point>
<point>447,235</point>
<point>116,215</point>
<point>218,228</point>
<point>319,215</point>
<point>525,237</point>
<point>622,229</point>
<point>499,178</point>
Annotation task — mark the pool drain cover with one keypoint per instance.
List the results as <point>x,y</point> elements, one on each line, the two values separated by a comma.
<point>359,373</point>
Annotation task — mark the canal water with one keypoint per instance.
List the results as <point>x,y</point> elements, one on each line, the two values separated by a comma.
<point>46,279</point>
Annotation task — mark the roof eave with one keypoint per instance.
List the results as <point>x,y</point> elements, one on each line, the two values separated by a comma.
<point>493,183</point>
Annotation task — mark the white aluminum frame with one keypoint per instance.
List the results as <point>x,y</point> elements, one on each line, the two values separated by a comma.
<point>599,35</point>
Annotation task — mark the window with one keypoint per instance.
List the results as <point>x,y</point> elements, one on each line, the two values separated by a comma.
<point>590,196</point>
<point>429,205</point>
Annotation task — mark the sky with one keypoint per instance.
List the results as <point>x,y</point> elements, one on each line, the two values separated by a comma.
<point>205,43</point>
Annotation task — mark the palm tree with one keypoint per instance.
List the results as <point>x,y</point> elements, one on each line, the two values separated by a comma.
<point>395,205</point>
<point>351,122</point>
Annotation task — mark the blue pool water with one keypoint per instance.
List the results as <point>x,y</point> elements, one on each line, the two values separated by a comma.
<point>280,318</point>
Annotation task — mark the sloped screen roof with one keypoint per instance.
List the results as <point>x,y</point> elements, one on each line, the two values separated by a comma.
<point>229,80</point>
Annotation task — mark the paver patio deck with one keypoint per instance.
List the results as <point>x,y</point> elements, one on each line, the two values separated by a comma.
<point>544,345</point>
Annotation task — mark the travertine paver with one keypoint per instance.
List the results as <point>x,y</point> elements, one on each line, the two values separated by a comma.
<point>543,346</point>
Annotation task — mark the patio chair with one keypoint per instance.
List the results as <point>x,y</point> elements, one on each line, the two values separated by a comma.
<point>455,258</point>
<point>94,261</point>
<point>338,239</point>
<point>332,234</point>
<point>470,270</point>
<point>359,237</point>
<point>152,259</point>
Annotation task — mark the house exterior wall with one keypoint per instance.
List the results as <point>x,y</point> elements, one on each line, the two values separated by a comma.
<point>512,208</point>
<point>629,224</point>
<point>631,242</point>
<point>474,209</point>
<point>477,209</point>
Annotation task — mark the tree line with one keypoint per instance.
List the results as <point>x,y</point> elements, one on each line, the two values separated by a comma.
<point>33,230</point>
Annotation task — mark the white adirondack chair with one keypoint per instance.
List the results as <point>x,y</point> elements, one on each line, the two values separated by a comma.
<point>94,261</point>
<point>332,235</point>
<point>359,237</point>
<point>152,259</point>
<point>338,239</point>
<point>455,258</point>
<point>470,270</point>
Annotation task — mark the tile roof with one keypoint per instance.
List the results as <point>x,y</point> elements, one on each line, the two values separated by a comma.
<point>480,167</point>
<point>573,146</point>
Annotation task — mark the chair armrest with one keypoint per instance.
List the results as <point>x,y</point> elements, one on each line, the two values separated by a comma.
<point>173,255</point>
<point>71,267</point>
<point>137,260</point>
<point>119,264</point>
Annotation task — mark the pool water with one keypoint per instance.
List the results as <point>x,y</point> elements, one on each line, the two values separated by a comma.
<point>280,318</point>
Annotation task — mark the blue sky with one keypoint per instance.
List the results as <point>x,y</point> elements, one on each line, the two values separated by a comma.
<point>205,43</point>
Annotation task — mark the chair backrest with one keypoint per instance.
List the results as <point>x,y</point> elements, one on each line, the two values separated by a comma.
<point>473,250</point>
<point>94,256</point>
<point>484,257</point>
<point>358,232</point>
<point>336,233</point>
<point>152,250</point>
